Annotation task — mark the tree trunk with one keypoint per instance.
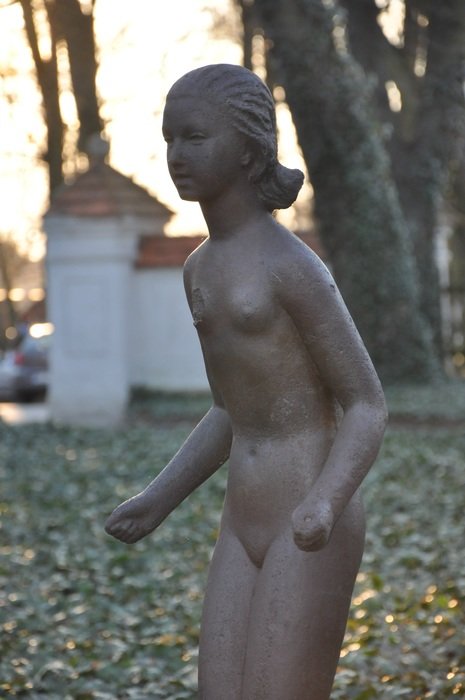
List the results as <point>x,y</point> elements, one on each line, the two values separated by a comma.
<point>67,22</point>
<point>423,172</point>
<point>47,78</point>
<point>248,31</point>
<point>356,202</point>
<point>77,29</point>
<point>428,135</point>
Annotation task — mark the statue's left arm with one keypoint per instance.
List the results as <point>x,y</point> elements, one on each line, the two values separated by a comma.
<point>309,294</point>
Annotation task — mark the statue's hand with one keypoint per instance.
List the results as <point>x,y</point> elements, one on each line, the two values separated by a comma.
<point>312,522</point>
<point>133,519</point>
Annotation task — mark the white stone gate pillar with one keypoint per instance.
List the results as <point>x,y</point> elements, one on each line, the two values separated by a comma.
<point>89,267</point>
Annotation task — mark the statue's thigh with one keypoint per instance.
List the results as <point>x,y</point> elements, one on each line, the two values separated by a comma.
<point>298,618</point>
<point>223,635</point>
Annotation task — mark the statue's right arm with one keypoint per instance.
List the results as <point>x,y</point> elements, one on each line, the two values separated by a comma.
<point>201,455</point>
<point>204,451</point>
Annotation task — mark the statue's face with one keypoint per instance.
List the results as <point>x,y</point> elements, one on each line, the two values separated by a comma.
<point>203,149</point>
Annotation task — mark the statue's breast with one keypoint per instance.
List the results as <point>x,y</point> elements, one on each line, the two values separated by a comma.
<point>242,307</point>
<point>251,310</point>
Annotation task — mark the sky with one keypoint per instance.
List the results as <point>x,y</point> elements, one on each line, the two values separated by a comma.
<point>144,46</point>
<point>142,50</point>
<point>22,178</point>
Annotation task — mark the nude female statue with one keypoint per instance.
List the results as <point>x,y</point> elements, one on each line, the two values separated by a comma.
<point>283,358</point>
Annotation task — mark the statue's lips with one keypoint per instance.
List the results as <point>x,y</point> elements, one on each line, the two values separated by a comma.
<point>181,180</point>
<point>179,173</point>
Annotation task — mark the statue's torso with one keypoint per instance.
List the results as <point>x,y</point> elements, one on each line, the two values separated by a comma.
<point>283,418</point>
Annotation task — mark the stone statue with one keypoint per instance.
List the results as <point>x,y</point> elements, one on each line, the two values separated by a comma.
<point>297,407</point>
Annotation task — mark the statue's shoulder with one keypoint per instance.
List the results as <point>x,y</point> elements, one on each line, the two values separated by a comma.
<point>193,259</point>
<point>292,253</point>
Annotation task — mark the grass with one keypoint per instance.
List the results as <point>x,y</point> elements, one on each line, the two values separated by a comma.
<point>86,618</point>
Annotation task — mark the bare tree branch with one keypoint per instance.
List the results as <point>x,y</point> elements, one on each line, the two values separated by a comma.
<point>47,77</point>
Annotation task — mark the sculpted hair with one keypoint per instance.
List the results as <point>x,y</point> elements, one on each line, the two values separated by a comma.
<point>249,103</point>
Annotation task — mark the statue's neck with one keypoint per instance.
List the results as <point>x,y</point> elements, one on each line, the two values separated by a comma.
<point>228,216</point>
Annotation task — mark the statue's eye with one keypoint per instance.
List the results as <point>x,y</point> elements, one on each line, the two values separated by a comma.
<point>196,136</point>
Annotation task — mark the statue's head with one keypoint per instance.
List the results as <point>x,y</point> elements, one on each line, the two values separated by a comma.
<point>247,103</point>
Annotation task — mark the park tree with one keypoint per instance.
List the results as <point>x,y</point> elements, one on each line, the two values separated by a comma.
<point>380,124</point>
<point>65,29</point>
<point>418,78</point>
<point>379,171</point>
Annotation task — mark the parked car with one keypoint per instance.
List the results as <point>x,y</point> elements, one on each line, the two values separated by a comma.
<point>8,373</point>
<point>24,370</point>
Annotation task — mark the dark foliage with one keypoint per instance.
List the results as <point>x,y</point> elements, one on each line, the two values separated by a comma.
<point>84,617</point>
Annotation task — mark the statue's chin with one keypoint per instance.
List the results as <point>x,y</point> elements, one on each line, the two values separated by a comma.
<point>187,197</point>
<point>185,192</point>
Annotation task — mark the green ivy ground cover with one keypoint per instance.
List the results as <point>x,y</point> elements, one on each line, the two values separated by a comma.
<point>84,617</point>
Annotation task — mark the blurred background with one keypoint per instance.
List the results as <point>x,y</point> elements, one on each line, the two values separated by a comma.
<point>370,104</point>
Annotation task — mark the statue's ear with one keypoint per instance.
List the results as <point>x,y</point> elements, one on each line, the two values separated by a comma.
<point>255,160</point>
<point>246,157</point>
